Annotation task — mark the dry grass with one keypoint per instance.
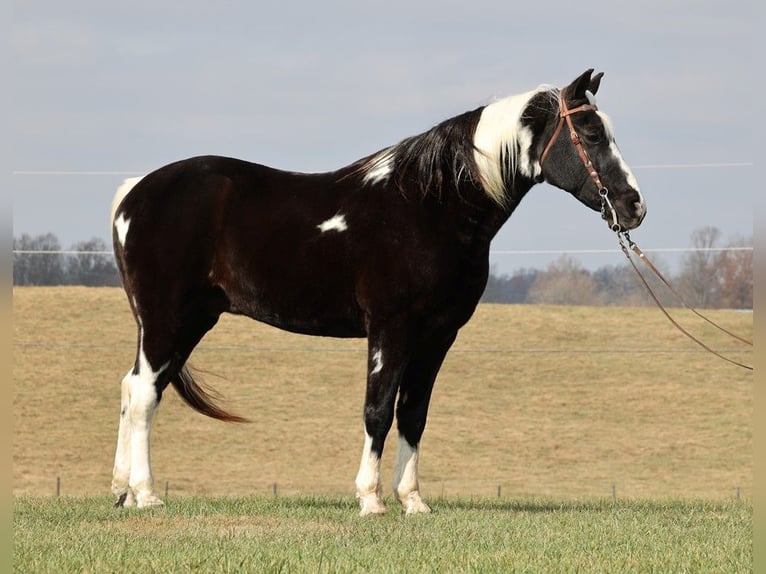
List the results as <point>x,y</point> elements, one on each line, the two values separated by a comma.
<point>543,401</point>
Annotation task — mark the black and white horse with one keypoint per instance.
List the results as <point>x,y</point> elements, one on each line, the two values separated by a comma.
<point>394,248</point>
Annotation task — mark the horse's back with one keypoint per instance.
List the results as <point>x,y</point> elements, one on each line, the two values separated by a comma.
<point>272,241</point>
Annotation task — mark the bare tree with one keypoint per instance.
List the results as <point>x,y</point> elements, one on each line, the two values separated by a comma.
<point>508,288</point>
<point>37,268</point>
<point>734,271</point>
<point>564,282</point>
<point>92,267</point>
<point>698,275</point>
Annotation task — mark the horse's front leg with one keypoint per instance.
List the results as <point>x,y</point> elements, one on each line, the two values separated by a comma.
<point>384,372</point>
<point>412,409</point>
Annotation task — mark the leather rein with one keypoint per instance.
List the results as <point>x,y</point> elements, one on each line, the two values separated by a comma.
<point>565,115</point>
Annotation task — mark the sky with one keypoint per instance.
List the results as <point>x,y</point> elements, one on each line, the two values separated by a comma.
<point>101,91</point>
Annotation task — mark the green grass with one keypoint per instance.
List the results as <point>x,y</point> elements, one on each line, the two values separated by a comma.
<point>324,534</point>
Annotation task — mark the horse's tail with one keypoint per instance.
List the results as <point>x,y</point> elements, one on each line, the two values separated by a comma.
<point>201,400</point>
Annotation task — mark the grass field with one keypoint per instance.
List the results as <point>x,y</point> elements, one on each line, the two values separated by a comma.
<point>559,439</point>
<point>324,534</point>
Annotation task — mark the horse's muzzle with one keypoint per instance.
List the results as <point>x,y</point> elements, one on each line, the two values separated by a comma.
<point>629,221</point>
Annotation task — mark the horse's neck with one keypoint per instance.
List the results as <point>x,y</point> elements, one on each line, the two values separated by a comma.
<point>482,217</point>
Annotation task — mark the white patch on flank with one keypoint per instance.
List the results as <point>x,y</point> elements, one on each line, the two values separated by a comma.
<point>121,193</point>
<point>502,144</point>
<point>377,362</point>
<point>368,488</point>
<point>335,223</point>
<point>380,166</point>
<point>121,226</point>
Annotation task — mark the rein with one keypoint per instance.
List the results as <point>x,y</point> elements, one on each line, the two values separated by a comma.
<point>565,115</point>
<point>622,237</point>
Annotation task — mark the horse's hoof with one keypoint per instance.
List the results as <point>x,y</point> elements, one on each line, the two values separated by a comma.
<point>413,504</point>
<point>148,501</point>
<point>371,504</point>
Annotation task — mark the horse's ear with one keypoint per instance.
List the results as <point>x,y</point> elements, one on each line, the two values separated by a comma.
<point>576,90</point>
<point>595,82</point>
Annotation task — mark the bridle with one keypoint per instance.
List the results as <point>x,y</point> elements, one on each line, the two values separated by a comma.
<point>565,115</point>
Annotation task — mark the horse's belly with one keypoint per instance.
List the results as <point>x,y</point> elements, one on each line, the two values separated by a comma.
<point>307,310</point>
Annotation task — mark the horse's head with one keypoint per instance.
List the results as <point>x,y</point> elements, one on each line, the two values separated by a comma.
<point>580,156</point>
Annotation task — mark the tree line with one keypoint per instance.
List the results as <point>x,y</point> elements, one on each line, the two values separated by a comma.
<point>707,278</point>
<point>37,260</point>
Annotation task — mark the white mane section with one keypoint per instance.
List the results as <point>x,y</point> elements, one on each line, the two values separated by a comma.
<point>120,194</point>
<point>380,166</point>
<point>502,143</point>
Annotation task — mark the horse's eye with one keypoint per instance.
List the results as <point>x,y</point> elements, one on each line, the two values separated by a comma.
<point>593,137</point>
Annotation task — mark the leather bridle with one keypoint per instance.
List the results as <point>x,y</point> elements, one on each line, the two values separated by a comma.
<point>565,115</point>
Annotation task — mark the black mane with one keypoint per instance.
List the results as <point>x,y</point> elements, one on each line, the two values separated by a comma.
<point>443,155</point>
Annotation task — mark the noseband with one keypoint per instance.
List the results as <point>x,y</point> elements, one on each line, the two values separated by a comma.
<point>565,114</point>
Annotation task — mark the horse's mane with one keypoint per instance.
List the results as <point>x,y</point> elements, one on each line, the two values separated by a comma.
<point>484,146</point>
<point>444,154</point>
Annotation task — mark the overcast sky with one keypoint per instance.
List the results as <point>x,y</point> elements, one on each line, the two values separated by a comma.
<point>127,87</point>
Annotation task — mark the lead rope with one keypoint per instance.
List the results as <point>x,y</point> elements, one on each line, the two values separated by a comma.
<point>642,256</point>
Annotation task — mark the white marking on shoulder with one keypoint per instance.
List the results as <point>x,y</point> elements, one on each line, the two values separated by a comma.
<point>121,226</point>
<point>380,166</point>
<point>377,362</point>
<point>335,223</point>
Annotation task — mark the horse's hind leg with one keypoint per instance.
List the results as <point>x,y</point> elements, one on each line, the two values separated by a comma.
<point>121,472</point>
<point>132,478</point>
<point>167,334</point>
<point>412,409</point>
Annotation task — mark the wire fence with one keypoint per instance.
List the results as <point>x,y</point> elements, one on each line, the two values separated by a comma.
<point>492,252</point>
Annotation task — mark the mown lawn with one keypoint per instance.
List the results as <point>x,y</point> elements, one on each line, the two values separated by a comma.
<point>325,534</point>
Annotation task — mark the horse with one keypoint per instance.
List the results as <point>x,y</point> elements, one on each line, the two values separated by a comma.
<point>393,247</point>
